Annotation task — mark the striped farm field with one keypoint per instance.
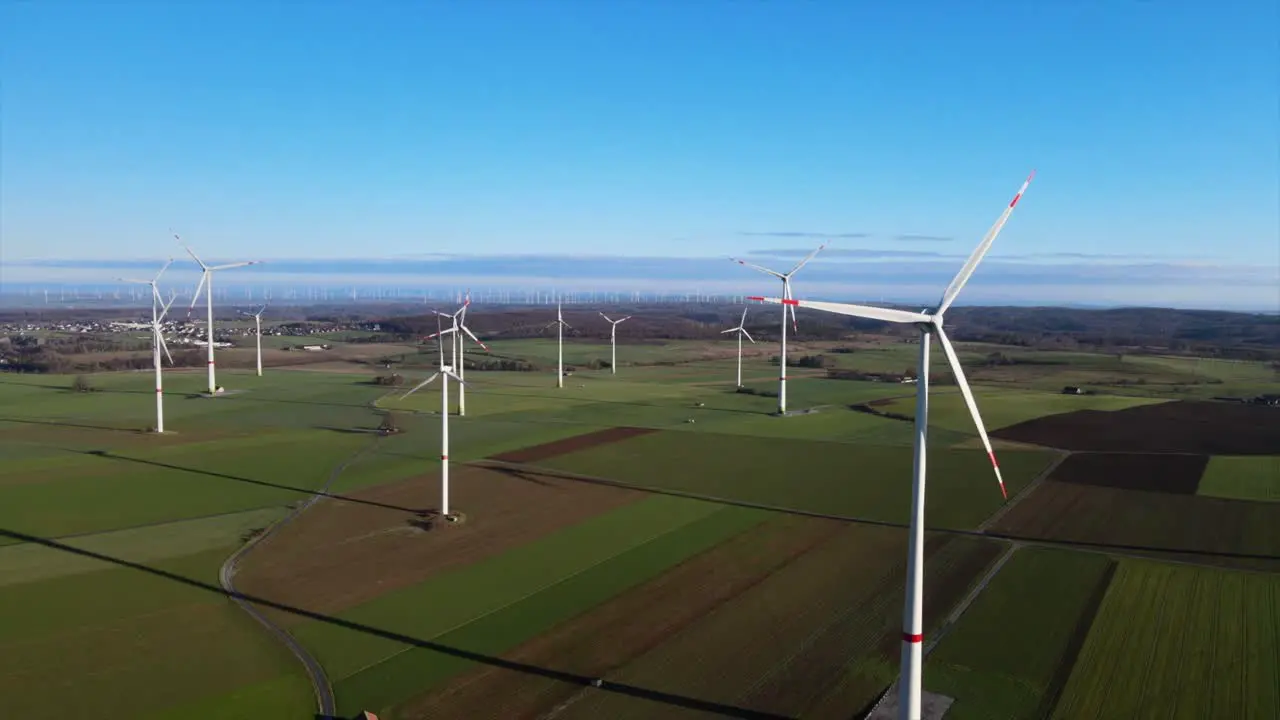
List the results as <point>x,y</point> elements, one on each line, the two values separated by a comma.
<point>1175,641</point>
<point>1041,605</point>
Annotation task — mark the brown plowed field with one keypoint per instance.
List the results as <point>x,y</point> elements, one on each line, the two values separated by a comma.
<point>1199,427</point>
<point>1230,533</point>
<point>341,553</point>
<point>1159,472</point>
<point>573,444</point>
<point>633,623</point>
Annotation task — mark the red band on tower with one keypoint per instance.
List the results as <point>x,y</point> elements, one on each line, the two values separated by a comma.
<point>908,637</point>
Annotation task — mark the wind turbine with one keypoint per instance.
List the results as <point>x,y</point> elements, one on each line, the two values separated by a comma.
<point>457,348</point>
<point>741,330</point>
<point>786,295</point>
<point>613,341</point>
<point>445,372</point>
<point>560,326</point>
<point>159,309</point>
<point>930,325</point>
<point>257,324</point>
<point>206,282</point>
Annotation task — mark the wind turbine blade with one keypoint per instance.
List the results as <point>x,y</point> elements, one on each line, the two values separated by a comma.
<point>438,333</point>
<point>420,385</point>
<point>606,317</point>
<point>471,335</point>
<point>743,321</point>
<point>566,324</point>
<point>786,292</point>
<point>623,320</point>
<point>979,252</point>
<point>732,329</point>
<point>164,306</point>
<point>228,266</point>
<point>862,311</point>
<point>744,332</point>
<point>195,297</point>
<point>765,270</point>
<point>806,260</point>
<point>455,377</point>
<point>163,345</point>
<point>166,265</point>
<point>970,403</point>
<point>191,252</point>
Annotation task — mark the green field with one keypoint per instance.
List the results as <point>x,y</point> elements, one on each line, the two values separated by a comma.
<point>1002,407</point>
<point>1036,606</point>
<point>78,471</point>
<point>865,481</point>
<point>1181,642</point>
<point>1242,478</point>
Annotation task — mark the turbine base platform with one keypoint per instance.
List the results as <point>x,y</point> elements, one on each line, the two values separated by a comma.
<point>933,706</point>
<point>434,519</point>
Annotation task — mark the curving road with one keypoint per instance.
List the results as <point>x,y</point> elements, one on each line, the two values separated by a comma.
<point>319,680</point>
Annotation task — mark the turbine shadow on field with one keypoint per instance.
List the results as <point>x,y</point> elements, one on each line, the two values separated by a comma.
<point>493,661</point>
<point>633,403</point>
<point>251,481</point>
<point>1150,552</point>
<point>83,426</point>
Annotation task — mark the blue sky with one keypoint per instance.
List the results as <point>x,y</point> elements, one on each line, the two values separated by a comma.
<point>655,130</point>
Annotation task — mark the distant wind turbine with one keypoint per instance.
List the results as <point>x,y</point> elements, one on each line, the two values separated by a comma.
<point>786,295</point>
<point>257,325</point>
<point>206,282</point>
<point>457,348</point>
<point>560,325</point>
<point>159,308</point>
<point>444,373</point>
<point>741,330</point>
<point>613,341</point>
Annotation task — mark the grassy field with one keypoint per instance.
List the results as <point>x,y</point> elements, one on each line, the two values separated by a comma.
<point>866,481</point>
<point>77,469</point>
<point>1180,642</point>
<point>157,646</point>
<point>1040,606</point>
<point>1002,407</point>
<point>1242,478</point>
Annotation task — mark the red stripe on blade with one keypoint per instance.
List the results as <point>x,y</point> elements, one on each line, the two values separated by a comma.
<point>908,637</point>
<point>755,297</point>
<point>790,302</point>
<point>994,464</point>
<point>444,457</point>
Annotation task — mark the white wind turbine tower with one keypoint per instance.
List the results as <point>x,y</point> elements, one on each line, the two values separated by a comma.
<point>741,330</point>
<point>257,326</point>
<point>786,295</point>
<point>445,373</point>
<point>930,325</point>
<point>613,341</point>
<point>458,348</point>
<point>560,326</point>
<point>159,309</point>
<point>206,282</point>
